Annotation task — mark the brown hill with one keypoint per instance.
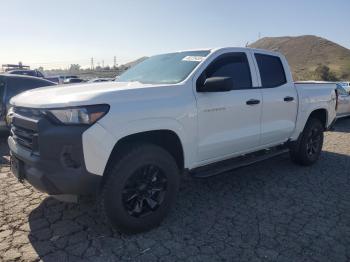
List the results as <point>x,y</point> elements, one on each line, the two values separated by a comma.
<point>306,53</point>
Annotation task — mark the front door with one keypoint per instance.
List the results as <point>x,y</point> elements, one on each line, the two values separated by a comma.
<point>228,122</point>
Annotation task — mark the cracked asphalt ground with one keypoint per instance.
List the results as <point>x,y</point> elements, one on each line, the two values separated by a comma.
<point>271,211</point>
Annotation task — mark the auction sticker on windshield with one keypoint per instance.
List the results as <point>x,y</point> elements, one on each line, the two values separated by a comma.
<point>193,58</point>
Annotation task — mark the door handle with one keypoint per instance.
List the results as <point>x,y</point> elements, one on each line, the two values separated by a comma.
<point>252,102</point>
<point>288,99</point>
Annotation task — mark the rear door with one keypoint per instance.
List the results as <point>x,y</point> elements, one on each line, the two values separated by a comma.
<point>279,110</point>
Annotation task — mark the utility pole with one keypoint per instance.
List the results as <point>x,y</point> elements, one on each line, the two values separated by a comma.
<point>92,63</point>
<point>103,63</point>
<point>114,61</point>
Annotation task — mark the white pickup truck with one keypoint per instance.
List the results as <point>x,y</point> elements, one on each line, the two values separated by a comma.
<point>200,112</point>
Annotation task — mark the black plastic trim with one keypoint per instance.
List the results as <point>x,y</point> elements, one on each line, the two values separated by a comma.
<point>238,162</point>
<point>58,167</point>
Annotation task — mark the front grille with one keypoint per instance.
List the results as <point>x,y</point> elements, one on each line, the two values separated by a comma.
<point>25,137</point>
<point>24,128</point>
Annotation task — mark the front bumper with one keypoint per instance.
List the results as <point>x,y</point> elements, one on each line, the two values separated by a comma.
<point>56,166</point>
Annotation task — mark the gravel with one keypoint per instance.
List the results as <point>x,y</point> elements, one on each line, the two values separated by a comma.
<point>270,211</point>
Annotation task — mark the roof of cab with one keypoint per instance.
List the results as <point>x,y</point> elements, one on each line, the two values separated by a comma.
<point>216,49</point>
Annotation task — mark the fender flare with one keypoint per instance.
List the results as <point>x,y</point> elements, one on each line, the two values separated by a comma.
<point>98,142</point>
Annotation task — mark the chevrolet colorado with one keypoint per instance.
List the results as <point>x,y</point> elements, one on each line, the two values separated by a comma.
<point>200,112</point>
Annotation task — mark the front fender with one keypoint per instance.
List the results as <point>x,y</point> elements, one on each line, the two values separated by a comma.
<point>98,141</point>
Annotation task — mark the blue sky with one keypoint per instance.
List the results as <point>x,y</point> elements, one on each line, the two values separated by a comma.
<point>58,33</point>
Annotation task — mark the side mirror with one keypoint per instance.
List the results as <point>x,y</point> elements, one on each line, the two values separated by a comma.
<point>217,84</point>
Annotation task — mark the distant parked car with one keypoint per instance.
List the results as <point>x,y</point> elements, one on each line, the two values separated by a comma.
<point>11,85</point>
<point>346,86</point>
<point>343,109</point>
<point>54,79</point>
<point>27,72</point>
<point>62,78</point>
<point>73,80</point>
<point>97,80</point>
<point>34,73</point>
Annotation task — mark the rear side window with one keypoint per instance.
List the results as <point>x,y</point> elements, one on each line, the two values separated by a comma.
<point>233,65</point>
<point>271,70</point>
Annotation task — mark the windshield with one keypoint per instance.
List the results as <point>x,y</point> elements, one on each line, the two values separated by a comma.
<point>164,69</point>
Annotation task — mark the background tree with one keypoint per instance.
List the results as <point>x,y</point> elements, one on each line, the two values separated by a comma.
<point>74,68</point>
<point>322,72</point>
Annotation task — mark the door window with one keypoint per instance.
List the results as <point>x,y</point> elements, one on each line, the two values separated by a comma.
<point>233,65</point>
<point>271,70</point>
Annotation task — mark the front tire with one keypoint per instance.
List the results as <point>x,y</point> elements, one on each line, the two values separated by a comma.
<point>140,189</point>
<point>307,149</point>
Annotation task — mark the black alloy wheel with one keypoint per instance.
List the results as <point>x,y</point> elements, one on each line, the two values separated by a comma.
<point>307,149</point>
<point>140,188</point>
<point>313,143</point>
<point>144,191</point>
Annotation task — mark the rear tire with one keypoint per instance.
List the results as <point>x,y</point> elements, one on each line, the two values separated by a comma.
<point>307,149</point>
<point>140,189</point>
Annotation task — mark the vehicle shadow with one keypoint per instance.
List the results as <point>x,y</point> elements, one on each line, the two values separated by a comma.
<point>272,201</point>
<point>342,125</point>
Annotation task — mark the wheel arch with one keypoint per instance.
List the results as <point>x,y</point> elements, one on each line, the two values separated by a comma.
<point>165,138</point>
<point>321,114</point>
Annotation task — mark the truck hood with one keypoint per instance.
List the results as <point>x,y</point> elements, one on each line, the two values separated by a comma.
<point>77,94</point>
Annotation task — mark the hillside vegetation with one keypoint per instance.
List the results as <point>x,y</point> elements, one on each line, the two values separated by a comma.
<point>106,72</point>
<point>309,56</point>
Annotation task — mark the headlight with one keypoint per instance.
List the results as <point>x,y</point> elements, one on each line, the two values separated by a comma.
<point>84,115</point>
<point>9,116</point>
